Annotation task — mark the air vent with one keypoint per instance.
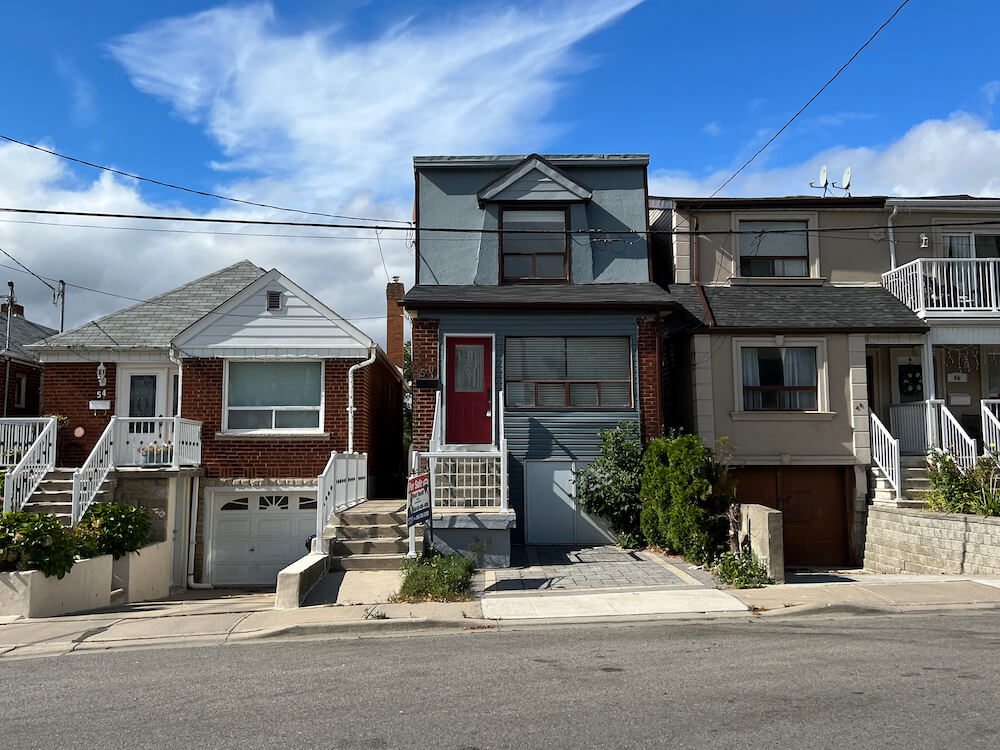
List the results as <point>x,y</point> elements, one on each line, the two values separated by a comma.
<point>273,300</point>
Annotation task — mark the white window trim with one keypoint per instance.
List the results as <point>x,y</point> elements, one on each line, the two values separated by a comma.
<point>284,430</point>
<point>812,242</point>
<point>822,378</point>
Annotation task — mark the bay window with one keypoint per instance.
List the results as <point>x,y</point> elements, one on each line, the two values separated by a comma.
<point>560,372</point>
<point>274,396</point>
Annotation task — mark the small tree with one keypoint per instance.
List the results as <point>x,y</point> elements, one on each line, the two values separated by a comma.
<point>698,522</point>
<point>655,493</point>
<point>609,487</point>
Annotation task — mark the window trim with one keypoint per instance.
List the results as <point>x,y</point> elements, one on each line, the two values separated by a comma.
<point>535,206</point>
<point>226,429</point>
<point>567,383</point>
<point>781,341</point>
<point>811,218</point>
<point>21,391</point>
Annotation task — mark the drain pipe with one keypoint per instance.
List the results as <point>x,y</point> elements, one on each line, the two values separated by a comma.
<point>192,537</point>
<point>892,237</point>
<point>172,354</point>
<point>350,397</point>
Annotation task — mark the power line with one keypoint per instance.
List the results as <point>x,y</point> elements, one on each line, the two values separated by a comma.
<point>815,96</point>
<point>186,189</point>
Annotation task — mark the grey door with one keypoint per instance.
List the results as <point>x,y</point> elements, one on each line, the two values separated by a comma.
<point>552,515</point>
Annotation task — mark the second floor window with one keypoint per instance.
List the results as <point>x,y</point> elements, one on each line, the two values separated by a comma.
<point>533,245</point>
<point>774,248</point>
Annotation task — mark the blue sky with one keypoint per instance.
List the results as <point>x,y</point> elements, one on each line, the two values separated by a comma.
<point>320,105</point>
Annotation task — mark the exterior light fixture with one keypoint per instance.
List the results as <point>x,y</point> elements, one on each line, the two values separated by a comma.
<point>102,375</point>
<point>924,241</point>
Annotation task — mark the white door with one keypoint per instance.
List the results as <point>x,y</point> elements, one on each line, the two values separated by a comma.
<point>552,514</point>
<point>142,392</point>
<point>254,535</point>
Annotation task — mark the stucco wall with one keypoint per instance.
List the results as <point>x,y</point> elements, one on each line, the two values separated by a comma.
<point>915,541</point>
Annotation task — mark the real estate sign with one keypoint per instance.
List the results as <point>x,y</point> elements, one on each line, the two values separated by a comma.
<point>418,499</point>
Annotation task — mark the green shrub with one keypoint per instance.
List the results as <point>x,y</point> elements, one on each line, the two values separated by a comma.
<point>741,569</point>
<point>975,491</point>
<point>654,492</point>
<point>609,487</point>
<point>433,576</point>
<point>35,541</point>
<point>697,524</point>
<point>112,530</point>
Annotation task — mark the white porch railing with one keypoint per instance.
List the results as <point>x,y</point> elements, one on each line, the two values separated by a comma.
<point>342,485</point>
<point>955,441</point>
<point>16,436</point>
<point>885,453</point>
<point>990,413</point>
<point>87,480</point>
<point>947,285</point>
<point>36,460</point>
<point>929,425</point>
<point>157,441</point>
<point>435,441</point>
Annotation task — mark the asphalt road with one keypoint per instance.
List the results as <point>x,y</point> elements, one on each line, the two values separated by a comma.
<point>911,681</point>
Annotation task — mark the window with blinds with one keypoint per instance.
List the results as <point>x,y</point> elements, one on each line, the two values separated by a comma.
<point>774,248</point>
<point>533,245</point>
<point>563,372</point>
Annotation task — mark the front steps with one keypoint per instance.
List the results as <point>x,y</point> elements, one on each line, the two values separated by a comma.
<point>915,484</point>
<point>55,495</point>
<point>370,536</point>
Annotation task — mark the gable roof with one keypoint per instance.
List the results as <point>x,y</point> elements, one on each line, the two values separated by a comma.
<point>534,163</point>
<point>22,333</point>
<point>225,313</point>
<point>153,323</point>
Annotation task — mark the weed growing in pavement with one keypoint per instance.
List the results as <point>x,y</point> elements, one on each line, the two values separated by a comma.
<point>436,577</point>
<point>741,569</point>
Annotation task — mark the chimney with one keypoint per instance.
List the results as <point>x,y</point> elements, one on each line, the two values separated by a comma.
<point>394,321</point>
<point>18,309</point>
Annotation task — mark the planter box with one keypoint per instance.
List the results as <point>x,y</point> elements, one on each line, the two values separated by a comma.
<point>29,593</point>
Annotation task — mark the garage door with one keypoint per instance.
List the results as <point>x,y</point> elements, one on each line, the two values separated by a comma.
<point>552,515</point>
<point>814,504</point>
<point>255,535</point>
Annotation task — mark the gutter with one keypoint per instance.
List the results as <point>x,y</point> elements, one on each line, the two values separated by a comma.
<point>350,395</point>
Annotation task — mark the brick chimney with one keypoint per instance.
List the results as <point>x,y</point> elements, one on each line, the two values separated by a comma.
<point>18,309</point>
<point>394,321</point>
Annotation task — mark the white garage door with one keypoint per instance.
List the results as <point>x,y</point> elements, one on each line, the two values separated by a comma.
<point>255,535</point>
<point>552,513</point>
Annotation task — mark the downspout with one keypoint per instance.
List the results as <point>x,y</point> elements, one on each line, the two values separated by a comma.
<point>6,346</point>
<point>193,537</point>
<point>350,397</point>
<point>696,262</point>
<point>892,238</point>
<point>180,379</point>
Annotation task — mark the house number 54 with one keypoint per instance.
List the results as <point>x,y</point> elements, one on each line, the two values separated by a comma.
<point>103,393</point>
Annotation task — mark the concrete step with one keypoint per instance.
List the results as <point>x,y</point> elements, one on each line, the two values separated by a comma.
<point>913,461</point>
<point>362,518</point>
<point>912,504</point>
<point>350,547</point>
<point>371,531</point>
<point>368,562</point>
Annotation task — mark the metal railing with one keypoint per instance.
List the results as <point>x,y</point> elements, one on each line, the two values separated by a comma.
<point>955,441</point>
<point>947,285</point>
<point>885,453</point>
<point>342,485</point>
<point>157,441</point>
<point>989,409</point>
<point>16,436</point>
<point>36,460</point>
<point>87,480</point>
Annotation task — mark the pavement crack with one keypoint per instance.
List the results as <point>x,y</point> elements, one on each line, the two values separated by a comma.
<point>236,625</point>
<point>90,632</point>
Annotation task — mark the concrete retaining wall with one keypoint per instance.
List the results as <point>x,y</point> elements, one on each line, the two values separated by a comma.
<point>149,572</point>
<point>761,527</point>
<point>30,593</point>
<point>297,580</point>
<point>913,541</point>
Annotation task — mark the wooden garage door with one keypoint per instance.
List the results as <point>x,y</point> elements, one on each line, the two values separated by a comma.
<point>814,504</point>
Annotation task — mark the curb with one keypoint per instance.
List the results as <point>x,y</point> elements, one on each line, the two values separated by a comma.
<point>364,627</point>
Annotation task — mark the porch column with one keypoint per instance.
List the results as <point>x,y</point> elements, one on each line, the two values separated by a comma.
<point>930,412</point>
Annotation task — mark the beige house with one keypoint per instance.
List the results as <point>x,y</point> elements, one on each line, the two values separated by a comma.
<point>833,342</point>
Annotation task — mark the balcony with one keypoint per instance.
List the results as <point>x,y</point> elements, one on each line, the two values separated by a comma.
<point>947,287</point>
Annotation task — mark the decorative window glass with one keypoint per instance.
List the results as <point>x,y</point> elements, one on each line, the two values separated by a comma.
<point>307,503</point>
<point>774,248</point>
<point>272,502</point>
<point>533,245</point>
<point>274,395</point>
<point>468,371</point>
<point>560,372</point>
<point>242,503</point>
<point>779,378</point>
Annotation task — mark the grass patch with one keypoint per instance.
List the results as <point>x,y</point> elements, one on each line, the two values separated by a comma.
<point>436,577</point>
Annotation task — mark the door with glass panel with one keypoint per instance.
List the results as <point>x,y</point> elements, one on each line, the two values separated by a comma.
<point>143,394</point>
<point>469,390</point>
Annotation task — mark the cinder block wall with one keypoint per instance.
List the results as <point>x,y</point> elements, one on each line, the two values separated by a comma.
<point>914,541</point>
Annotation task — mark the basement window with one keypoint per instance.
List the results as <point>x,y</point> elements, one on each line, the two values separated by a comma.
<point>273,300</point>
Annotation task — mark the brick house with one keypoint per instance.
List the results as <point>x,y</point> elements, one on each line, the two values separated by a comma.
<point>232,390</point>
<point>22,371</point>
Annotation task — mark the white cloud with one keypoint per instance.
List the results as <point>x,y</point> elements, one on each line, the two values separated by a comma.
<point>83,108</point>
<point>960,154</point>
<point>712,128</point>
<point>319,121</point>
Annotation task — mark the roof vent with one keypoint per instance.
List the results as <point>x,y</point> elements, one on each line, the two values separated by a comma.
<point>273,300</point>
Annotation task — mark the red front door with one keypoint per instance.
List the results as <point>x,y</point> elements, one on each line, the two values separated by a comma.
<point>468,396</point>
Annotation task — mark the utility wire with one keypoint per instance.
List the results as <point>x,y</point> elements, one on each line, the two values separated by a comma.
<point>186,189</point>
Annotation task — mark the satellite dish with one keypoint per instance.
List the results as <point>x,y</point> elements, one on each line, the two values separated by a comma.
<point>846,182</point>
<point>822,176</point>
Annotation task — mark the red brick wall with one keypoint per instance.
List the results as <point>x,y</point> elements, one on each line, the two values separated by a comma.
<point>649,377</point>
<point>425,367</point>
<point>394,322</point>
<point>67,389</point>
<point>32,401</point>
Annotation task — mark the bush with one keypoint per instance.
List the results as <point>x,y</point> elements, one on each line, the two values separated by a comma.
<point>654,492</point>
<point>433,576</point>
<point>35,541</point>
<point>741,569</point>
<point>112,530</point>
<point>975,491</point>
<point>609,487</point>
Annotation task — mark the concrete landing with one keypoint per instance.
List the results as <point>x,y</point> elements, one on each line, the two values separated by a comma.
<point>354,587</point>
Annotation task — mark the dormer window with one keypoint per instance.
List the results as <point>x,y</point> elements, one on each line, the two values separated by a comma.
<point>774,248</point>
<point>273,300</point>
<point>534,245</point>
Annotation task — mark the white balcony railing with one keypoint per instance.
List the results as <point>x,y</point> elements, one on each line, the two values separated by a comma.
<point>885,453</point>
<point>947,286</point>
<point>34,460</point>
<point>925,426</point>
<point>156,441</point>
<point>342,485</point>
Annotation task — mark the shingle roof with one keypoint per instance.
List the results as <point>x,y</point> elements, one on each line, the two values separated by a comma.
<point>153,323</point>
<point>22,332</point>
<point>645,296</point>
<point>858,308</point>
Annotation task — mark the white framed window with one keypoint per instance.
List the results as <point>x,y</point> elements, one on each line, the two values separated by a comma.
<point>561,372</point>
<point>273,396</point>
<point>21,392</point>
<point>781,375</point>
<point>775,245</point>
